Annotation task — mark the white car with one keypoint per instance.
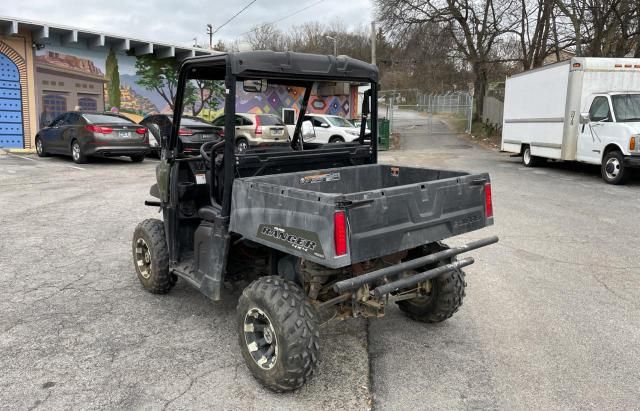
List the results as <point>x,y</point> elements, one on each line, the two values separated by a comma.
<point>332,129</point>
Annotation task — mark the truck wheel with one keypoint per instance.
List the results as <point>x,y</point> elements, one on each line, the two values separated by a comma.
<point>444,298</point>
<point>336,139</point>
<point>278,333</point>
<point>528,160</point>
<point>151,257</point>
<point>137,158</point>
<point>613,169</point>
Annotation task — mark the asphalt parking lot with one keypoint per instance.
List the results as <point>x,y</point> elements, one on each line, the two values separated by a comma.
<point>551,319</point>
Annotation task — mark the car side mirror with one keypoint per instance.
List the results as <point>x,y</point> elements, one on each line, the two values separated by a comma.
<point>324,125</point>
<point>584,118</point>
<point>307,130</point>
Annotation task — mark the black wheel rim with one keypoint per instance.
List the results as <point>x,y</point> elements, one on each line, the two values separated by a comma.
<point>260,338</point>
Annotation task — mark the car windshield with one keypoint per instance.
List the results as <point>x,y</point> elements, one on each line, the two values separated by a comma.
<point>268,120</point>
<point>339,122</point>
<point>106,119</point>
<point>626,107</point>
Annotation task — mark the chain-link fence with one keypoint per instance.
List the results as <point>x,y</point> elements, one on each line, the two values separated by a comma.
<point>440,113</point>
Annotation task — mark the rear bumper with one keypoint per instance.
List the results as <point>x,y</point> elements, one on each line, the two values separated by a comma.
<point>116,151</point>
<point>632,161</point>
<point>269,141</point>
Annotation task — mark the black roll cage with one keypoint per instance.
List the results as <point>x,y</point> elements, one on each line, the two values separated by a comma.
<point>296,69</point>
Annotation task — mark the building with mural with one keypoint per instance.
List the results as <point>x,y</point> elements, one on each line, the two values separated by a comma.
<point>46,70</point>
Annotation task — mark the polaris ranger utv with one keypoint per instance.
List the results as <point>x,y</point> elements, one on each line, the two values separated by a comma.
<point>319,232</point>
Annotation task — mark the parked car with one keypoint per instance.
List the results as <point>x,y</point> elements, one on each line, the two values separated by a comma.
<point>255,130</point>
<point>194,131</point>
<point>82,135</point>
<point>332,129</point>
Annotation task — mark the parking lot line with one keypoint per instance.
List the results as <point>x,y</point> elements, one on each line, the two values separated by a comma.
<point>36,160</point>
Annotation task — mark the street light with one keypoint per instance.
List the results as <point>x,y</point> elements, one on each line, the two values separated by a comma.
<point>335,44</point>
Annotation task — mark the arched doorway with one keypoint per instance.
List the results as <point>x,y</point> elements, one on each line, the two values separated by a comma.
<point>11,132</point>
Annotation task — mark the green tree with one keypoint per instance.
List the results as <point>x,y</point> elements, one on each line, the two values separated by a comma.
<point>113,80</point>
<point>160,75</point>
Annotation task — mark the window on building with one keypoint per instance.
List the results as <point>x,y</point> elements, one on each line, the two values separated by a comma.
<point>55,104</point>
<point>88,104</point>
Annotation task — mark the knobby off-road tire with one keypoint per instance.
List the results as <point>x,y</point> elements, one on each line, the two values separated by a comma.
<point>278,333</point>
<point>151,257</point>
<point>445,298</point>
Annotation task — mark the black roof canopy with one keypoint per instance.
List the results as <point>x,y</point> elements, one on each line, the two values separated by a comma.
<point>289,65</point>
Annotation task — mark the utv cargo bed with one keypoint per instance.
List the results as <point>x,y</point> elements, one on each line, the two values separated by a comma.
<point>382,209</point>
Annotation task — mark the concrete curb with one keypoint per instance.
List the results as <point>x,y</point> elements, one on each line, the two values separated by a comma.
<point>21,150</point>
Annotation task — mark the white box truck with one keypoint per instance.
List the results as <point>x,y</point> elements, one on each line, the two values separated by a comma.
<point>584,109</point>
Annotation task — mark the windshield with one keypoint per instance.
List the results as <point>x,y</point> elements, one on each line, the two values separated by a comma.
<point>626,107</point>
<point>106,118</point>
<point>339,122</point>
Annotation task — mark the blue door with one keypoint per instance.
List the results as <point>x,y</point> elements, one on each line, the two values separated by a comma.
<point>11,134</point>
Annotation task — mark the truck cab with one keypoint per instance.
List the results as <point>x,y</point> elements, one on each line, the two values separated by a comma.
<point>610,132</point>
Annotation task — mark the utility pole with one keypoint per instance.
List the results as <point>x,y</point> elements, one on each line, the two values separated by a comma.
<point>335,44</point>
<point>373,43</point>
<point>210,33</point>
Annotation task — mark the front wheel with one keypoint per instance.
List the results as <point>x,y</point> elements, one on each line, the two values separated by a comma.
<point>40,148</point>
<point>336,139</point>
<point>278,333</point>
<point>613,169</point>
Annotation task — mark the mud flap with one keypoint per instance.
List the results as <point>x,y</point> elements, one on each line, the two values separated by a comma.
<point>211,251</point>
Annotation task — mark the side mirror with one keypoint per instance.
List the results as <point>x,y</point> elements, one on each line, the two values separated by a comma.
<point>366,109</point>
<point>584,118</point>
<point>324,125</point>
<point>255,86</point>
<point>308,131</point>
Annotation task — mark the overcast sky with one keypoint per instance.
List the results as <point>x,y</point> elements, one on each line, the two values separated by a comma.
<point>179,21</point>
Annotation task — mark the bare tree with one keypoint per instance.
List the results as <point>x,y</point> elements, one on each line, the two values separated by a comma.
<point>475,28</point>
<point>265,37</point>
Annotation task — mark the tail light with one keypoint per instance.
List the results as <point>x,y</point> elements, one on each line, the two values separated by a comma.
<point>258,125</point>
<point>340,232</point>
<point>488,202</point>
<point>98,129</point>
<point>185,132</point>
<point>141,130</point>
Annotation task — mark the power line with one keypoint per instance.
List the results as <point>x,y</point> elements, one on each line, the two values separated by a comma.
<point>285,17</point>
<point>233,17</point>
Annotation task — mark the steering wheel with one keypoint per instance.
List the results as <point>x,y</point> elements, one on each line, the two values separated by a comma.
<point>208,148</point>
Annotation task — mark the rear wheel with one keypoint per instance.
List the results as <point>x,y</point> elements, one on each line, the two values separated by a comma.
<point>444,296</point>
<point>76,153</point>
<point>278,333</point>
<point>151,257</point>
<point>242,145</point>
<point>528,160</point>
<point>138,158</point>
<point>40,148</point>
<point>336,139</point>
<point>613,169</point>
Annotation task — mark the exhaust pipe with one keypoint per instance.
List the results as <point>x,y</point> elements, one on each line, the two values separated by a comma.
<point>420,277</point>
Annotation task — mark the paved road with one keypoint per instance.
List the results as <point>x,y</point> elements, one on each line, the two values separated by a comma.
<point>551,319</point>
<point>552,314</point>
